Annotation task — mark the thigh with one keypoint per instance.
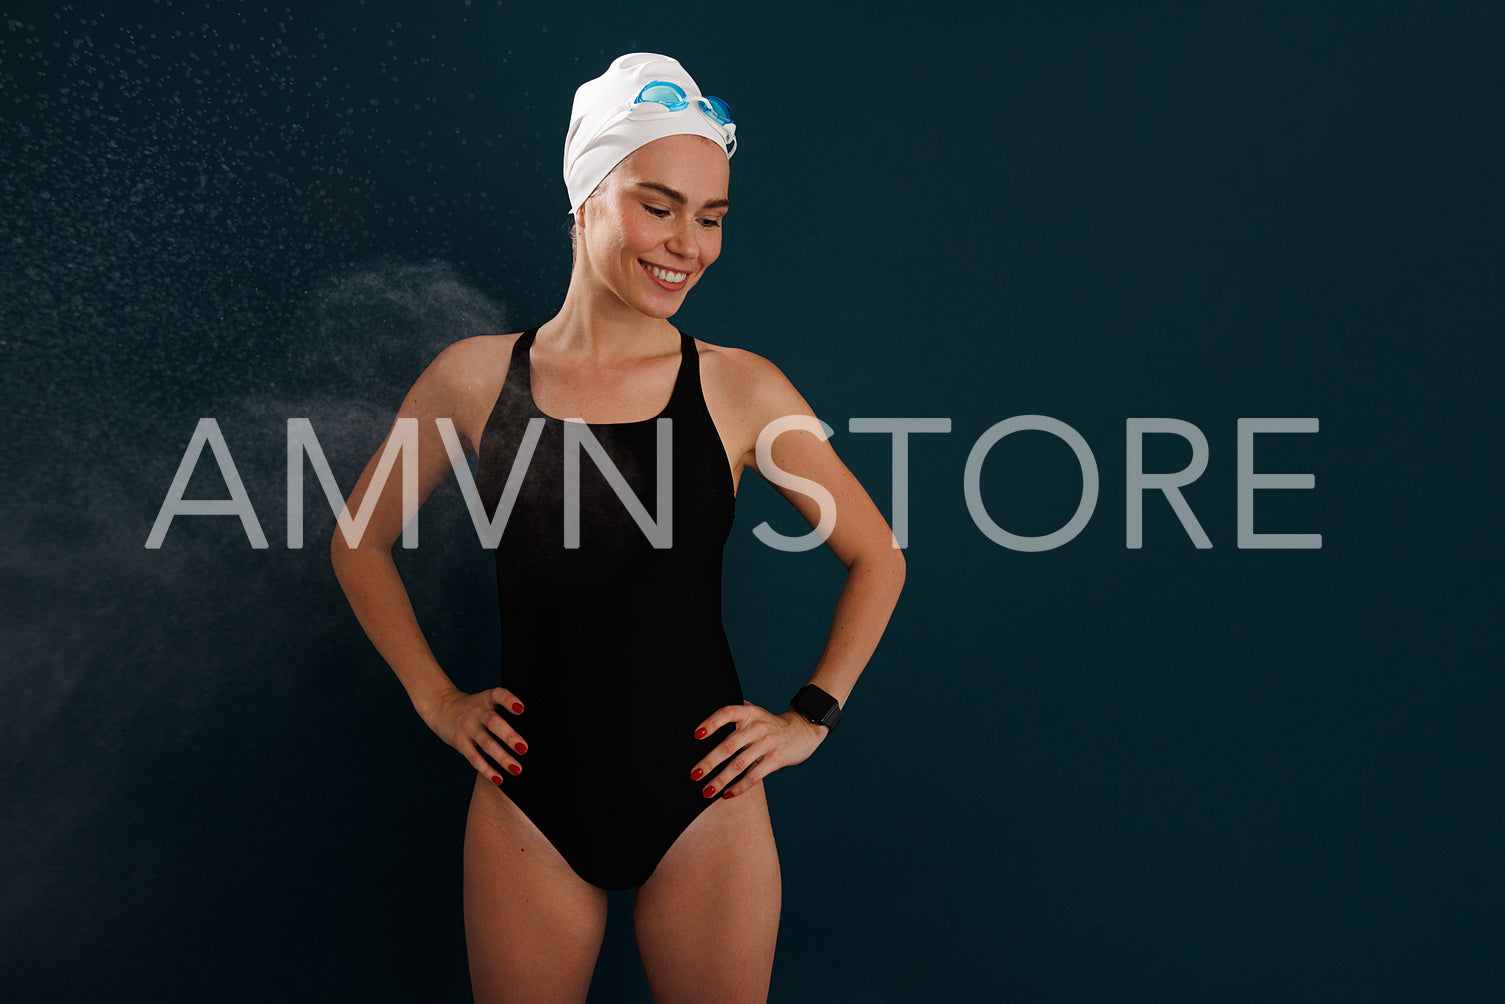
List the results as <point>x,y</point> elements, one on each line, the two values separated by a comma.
<point>532,926</point>
<point>708,918</point>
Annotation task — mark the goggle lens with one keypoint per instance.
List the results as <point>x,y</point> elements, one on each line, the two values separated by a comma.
<point>717,110</point>
<point>662,92</point>
<point>673,97</point>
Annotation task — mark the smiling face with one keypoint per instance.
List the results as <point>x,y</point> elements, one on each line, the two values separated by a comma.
<point>654,226</point>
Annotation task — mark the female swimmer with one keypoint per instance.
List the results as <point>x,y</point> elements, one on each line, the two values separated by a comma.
<point>618,751</point>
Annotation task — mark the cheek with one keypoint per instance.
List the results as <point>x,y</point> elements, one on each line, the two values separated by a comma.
<point>641,234</point>
<point>606,242</point>
<point>710,246</point>
<point>617,232</point>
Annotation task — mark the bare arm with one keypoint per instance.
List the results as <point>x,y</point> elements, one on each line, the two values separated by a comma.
<point>859,537</point>
<point>448,389</point>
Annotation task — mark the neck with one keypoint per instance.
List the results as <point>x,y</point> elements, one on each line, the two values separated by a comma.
<point>595,323</point>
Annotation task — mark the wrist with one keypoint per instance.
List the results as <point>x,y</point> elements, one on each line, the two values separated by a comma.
<point>817,707</point>
<point>800,721</point>
<point>428,703</point>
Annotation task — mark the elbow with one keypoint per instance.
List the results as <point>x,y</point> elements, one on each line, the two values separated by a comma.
<point>340,553</point>
<point>336,551</point>
<point>890,566</point>
<point>885,564</point>
<point>354,560</point>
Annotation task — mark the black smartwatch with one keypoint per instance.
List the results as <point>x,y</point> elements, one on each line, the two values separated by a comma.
<point>817,705</point>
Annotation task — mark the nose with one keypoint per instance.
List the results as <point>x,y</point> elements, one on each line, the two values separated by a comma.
<point>684,241</point>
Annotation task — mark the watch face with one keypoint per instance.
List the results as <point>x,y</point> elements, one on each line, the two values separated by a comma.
<point>818,706</point>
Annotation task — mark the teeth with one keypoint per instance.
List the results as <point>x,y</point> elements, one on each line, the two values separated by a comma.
<point>666,275</point>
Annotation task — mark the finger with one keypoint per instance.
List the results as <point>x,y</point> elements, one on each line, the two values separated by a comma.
<point>506,699</point>
<point>482,765</point>
<point>737,770</point>
<point>752,780</point>
<point>732,714</point>
<point>498,754</point>
<point>737,742</point>
<point>754,775</point>
<point>497,726</point>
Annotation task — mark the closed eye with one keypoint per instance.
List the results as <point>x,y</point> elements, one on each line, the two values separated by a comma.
<point>656,211</point>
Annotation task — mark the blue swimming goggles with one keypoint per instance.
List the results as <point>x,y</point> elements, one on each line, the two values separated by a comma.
<point>673,98</point>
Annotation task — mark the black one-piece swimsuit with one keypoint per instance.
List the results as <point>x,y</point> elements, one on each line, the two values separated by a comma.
<point>615,646</point>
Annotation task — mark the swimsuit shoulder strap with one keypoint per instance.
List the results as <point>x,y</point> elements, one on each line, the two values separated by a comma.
<point>519,367</point>
<point>687,393</point>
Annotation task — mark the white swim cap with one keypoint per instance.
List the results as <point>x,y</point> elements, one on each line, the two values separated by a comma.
<point>614,115</point>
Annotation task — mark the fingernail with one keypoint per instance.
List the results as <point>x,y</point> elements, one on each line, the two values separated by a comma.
<point>726,794</point>
<point>515,769</point>
<point>517,709</point>
<point>496,780</point>
<point>710,790</point>
<point>522,747</point>
<point>700,733</point>
<point>696,774</point>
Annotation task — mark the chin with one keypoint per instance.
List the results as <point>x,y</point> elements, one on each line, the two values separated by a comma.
<point>663,309</point>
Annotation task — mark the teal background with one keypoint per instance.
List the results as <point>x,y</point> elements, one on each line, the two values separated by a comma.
<point>1081,775</point>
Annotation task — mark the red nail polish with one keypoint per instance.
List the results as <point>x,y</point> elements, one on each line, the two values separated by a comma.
<point>726,794</point>
<point>522,747</point>
<point>496,780</point>
<point>515,769</point>
<point>710,790</point>
<point>700,733</point>
<point>517,709</point>
<point>696,774</point>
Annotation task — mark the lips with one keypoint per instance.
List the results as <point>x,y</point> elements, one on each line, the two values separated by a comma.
<point>665,277</point>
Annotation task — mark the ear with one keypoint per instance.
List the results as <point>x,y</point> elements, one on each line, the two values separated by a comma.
<point>577,234</point>
<point>580,216</point>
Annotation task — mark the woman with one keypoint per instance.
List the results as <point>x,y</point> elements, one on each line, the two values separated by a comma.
<point>618,752</point>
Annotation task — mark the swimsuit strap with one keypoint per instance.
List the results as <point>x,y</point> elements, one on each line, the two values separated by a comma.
<point>520,369</point>
<point>687,383</point>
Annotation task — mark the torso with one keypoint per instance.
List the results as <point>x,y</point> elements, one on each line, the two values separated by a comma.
<point>609,597</point>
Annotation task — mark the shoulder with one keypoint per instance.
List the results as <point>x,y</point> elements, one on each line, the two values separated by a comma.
<point>744,392</point>
<point>473,358</point>
<point>467,367</point>
<point>746,382</point>
<point>462,382</point>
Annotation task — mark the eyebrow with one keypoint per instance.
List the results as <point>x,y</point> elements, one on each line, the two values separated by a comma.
<point>678,197</point>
